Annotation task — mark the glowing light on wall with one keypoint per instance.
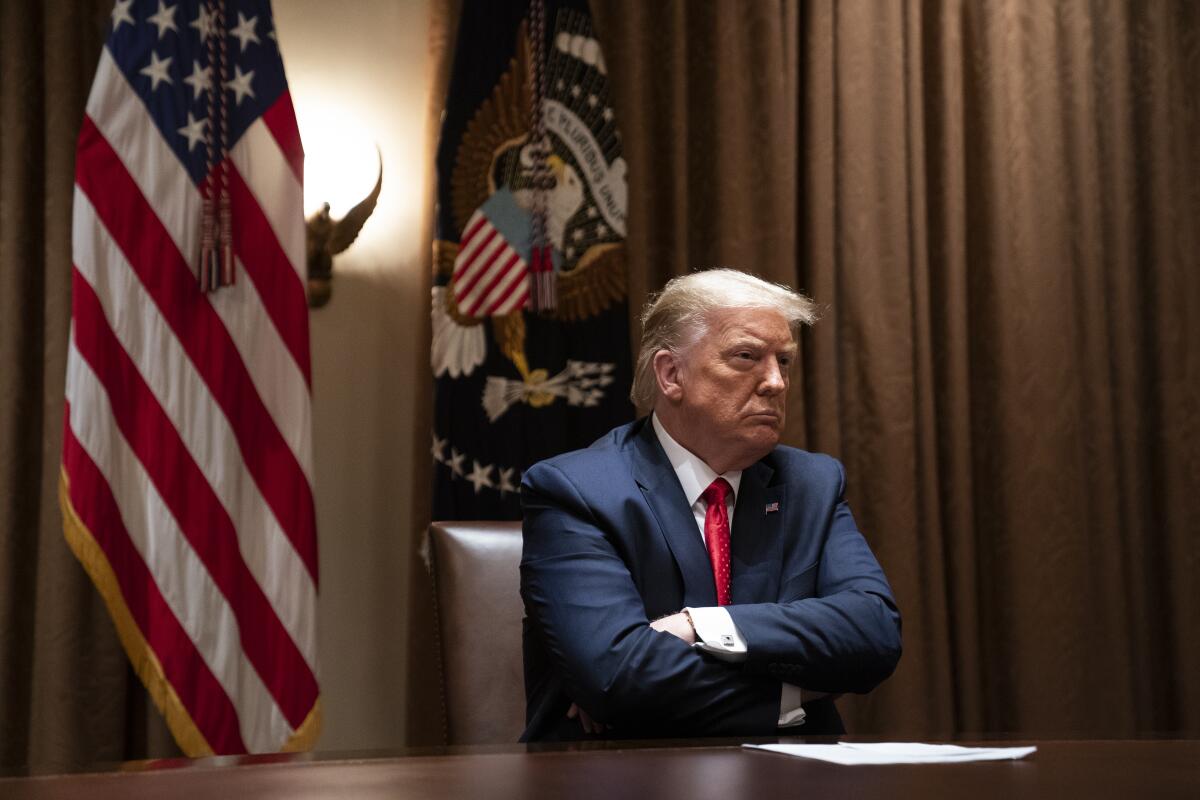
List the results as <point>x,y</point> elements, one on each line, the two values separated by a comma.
<point>340,164</point>
<point>349,100</point>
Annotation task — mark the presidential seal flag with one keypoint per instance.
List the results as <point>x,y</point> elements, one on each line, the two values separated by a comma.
<point>530,320</point>
<point>186,484</point>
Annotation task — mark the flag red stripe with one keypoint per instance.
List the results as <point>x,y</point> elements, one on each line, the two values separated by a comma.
<point>268,267</point>
<point>151,253</point>
<point>468,264</point>
<point>500,274</point>
<point>197,688</point>
<point>471,230</point>
<point>280,120</point>
<point>196,508</point>
<point>499,301</point>
<point>482,270</point>
<point>524,297</point>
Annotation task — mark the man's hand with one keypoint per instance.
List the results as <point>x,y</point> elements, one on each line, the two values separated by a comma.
<point>678,625</point>
<point>589,725</point>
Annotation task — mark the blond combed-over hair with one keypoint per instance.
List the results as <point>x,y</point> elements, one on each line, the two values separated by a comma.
<point>678,316</point>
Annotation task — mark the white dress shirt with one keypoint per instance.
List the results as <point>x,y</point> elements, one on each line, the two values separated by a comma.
<point>716,632</point>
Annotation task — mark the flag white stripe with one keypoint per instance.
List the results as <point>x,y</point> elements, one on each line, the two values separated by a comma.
<point>510,304</point>
<point>482,285</point>
<point>514,301</point>
<point>515,272</point>
<point>123,120</point>
<point>477,252</point>
<point>470,228</point>
<point>278,193</point>
<point>185,584</point>
<point>119,114</point>
<point>497,247</point>
<point>473,264</point>
<point>202,426</point>
<point>470,246</point>
<point>276,377</point>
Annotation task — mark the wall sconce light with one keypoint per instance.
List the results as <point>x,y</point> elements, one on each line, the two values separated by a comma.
<point>325,237</point>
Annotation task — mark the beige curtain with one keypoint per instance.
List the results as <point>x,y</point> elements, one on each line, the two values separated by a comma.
<point>997,205</point>
<point>67,695</point>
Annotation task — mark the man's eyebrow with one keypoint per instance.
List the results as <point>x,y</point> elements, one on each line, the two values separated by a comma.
<point>748,340</point>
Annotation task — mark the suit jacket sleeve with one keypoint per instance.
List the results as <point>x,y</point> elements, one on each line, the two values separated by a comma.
<point>837,630</point>
<point>581,595</point>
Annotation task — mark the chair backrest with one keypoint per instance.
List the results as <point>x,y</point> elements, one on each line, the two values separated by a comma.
<point>476,574</point>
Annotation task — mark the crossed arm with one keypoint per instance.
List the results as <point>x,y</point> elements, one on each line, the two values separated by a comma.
<point>623,669</point>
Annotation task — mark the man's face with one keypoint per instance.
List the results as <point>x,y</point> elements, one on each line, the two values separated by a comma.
<point>732,387</point>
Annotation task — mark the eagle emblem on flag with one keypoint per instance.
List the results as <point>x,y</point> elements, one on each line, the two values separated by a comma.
<point>493,195</point>
<point>530,259</point>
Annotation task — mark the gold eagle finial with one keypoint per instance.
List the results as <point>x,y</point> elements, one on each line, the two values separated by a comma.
<point>325,237</point>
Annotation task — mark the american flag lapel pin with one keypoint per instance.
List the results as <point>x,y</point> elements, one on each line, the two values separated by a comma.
<point>772,508</point>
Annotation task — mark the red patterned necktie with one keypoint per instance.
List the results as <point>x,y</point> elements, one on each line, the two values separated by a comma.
<point>716,535</point>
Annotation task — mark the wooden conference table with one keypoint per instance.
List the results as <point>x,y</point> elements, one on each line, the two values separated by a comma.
<point>613,771</point>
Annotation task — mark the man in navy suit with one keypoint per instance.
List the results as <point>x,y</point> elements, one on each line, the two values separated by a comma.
<point>648,613</point>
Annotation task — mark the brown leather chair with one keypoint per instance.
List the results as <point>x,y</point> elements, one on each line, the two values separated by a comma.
<point>479,611</point>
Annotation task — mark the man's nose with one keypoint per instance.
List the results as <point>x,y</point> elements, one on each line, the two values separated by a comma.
<point>774,379</point>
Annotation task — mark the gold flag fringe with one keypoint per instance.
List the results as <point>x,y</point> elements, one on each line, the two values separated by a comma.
<point>305,737</point>
<point>187,735</point>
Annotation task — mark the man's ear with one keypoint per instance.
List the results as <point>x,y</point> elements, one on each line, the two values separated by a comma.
<point>667,373</point>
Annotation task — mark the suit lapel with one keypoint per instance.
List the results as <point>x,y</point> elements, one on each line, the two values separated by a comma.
<point>755,541</point>
<point>654,474</point>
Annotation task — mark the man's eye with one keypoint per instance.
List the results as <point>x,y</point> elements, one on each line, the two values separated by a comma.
<point>785,361</point>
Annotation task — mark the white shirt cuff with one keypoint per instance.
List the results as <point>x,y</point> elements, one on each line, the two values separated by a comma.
<point>790,712</point>
<point>716,634</point>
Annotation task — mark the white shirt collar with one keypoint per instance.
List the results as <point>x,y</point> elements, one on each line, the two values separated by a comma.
<point>694,475</point>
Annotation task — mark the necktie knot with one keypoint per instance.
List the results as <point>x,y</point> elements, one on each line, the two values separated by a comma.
<point>716,492</point>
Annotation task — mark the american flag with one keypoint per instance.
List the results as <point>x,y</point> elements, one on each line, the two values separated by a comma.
<point>187,465</point>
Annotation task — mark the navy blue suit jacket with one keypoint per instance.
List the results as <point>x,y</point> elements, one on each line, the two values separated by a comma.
<point>610,543</point>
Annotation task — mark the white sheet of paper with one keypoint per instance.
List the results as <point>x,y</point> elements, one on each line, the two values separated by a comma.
<point>895,752</point>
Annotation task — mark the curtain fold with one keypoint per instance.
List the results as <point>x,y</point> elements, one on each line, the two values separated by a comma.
<point>67,695</point>
<point>995,204</point>
<point>709,100</point>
